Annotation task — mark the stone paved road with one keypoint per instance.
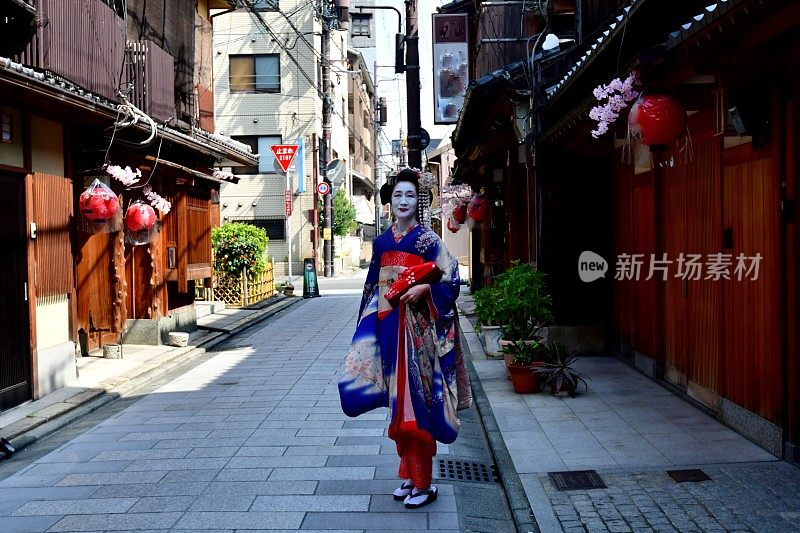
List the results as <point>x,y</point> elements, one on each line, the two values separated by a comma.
<point>253,438</point>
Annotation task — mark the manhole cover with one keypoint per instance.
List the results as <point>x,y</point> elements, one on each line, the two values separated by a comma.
<point>577,480</point>
<point>691,475</point>
<point>467,471</point>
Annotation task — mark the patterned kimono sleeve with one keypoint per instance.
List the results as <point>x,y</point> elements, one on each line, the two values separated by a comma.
<point>371,284</point>
<point>445,292</point>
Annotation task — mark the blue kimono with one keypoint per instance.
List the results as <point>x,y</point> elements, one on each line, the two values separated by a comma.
<point>409,358</point>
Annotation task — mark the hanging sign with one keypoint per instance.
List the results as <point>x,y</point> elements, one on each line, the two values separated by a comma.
<point>284,154</point>
<point>287,202</point>
<point>450,66</point>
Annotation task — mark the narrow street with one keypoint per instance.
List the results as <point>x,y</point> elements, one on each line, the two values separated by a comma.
<point>251,438</point>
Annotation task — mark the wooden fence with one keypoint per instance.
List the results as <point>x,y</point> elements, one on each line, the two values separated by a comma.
<point>238,291</point>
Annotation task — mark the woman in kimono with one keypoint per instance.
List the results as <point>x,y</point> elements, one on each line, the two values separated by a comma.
<point>406,351</point>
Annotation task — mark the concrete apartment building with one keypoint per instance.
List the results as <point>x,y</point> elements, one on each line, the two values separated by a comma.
<point>361,108</point>
<point>268,91</point>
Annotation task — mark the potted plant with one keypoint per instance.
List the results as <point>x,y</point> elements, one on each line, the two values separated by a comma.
<point>525,296</point>
<point>524,355</point>
<point>488,308</point>
<point>518,329</point>
<point>557,372</point>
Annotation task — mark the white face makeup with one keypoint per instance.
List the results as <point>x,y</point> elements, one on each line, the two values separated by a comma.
<point>404,201</point>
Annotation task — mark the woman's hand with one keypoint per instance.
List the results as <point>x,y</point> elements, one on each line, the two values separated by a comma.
<point>415,294</point>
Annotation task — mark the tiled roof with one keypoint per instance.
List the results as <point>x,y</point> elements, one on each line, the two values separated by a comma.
<point>214,141</point>
<point>697,22</point>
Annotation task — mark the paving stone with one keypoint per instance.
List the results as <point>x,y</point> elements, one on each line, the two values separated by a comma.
<point>118,478</point>
<point>400,521</point>
<point>244,474</point>
<point>27,523</point>
<point>162,504</point>
<point>65,507</point>
<point>261,451</point>
<point>116,522</point>
<point>190,476</point>
<point>147,489</point>
<point>145,465</point>
<point>282,461</point>
<point>223,502</point>
<point>617,526</point>
<point>315,503</point>
<point>341,473</point>
<point>259,488</point>
<point>219,520</point>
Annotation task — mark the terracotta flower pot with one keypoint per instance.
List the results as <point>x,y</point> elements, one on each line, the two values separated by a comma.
<point>524,379</point>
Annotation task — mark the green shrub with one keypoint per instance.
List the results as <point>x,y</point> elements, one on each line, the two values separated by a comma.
<point>238,246</point>
<point>527,302</point>
<point>490,306</point>
<point>344,215</point>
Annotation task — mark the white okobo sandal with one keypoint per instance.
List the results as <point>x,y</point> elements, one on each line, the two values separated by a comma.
<point>401,492</point>
<point>421,498</point>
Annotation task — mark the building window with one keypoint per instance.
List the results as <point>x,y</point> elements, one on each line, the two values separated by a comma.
<point>275,227</point>
<point>265,5</point>
<point>5,128</point>
<point>259,145</point>
<point>360,27</point>
<point>255,73</point>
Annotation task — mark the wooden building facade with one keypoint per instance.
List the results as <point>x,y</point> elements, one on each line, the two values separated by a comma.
<point>726,343</point>
<point>66,290</point>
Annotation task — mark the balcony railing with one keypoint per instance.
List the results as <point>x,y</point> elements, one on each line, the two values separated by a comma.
<point>151,74</point>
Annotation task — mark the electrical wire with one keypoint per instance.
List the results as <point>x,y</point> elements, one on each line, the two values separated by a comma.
<point>492,44</point>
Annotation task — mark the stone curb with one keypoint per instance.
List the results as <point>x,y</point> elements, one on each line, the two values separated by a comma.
<point>38,425</point>
<point>509,478</point>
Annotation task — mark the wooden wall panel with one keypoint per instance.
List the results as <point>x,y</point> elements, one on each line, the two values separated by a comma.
<point>704,236</point>
<point>792,244</point>
<point>96,286</point>
<point>673,208</point>
<point>752,308</point>
<point>644,292</point>
<point>623,243</point>
<point>138,272</point>
<point>199,228</point>
<point>52,212</point>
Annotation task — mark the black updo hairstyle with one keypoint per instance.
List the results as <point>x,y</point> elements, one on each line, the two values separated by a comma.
<point>404,175</point>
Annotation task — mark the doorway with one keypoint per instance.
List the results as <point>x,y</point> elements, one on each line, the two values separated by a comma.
<point>15,360</point>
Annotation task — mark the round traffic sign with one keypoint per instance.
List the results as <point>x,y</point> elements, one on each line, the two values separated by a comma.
<point>424,138</point>
<point>323,188</point>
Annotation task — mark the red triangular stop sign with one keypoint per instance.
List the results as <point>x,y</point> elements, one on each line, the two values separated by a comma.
<point>284,153</point>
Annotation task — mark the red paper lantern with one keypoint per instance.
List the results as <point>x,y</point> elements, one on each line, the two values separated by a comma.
<point>98,206</point>
<point>140,217</point>
<point>453,225</point>
<point>656,120</point>
<point>460,213</point>
<point>478,208</point>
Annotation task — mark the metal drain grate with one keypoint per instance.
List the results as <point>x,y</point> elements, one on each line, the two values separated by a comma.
<point>467,471</point>
<point>577,480</point>
<point>691,475</point>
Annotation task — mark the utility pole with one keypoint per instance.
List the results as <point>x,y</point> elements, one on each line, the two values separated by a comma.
<point>315,236</point>
<point>412,86</point>
<point>325,148</point>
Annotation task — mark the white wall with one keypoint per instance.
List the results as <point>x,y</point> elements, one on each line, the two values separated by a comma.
<point>47,146</point>
<point>55,350</point>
